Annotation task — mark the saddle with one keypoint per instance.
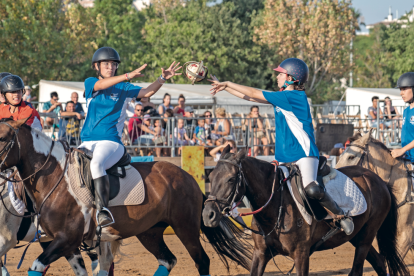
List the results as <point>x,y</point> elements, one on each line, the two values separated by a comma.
<point>312,206</point>
<point>84,157</point>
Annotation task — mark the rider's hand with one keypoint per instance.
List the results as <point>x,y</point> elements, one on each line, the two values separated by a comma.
<point>397,152</point>
<point>217,85</point>
<point>171,71</point>
<point>137,72</point>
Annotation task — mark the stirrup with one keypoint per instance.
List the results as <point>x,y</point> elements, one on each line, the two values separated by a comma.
<point>110,214</point>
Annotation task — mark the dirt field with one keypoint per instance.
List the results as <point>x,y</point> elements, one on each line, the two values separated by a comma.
<point>140,262</point>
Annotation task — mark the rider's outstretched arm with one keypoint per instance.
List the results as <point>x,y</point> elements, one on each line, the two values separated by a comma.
<point>245,90</point>
<point>244,97</point>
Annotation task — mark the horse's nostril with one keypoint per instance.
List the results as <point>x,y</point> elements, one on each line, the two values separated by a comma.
<point>211,215</point>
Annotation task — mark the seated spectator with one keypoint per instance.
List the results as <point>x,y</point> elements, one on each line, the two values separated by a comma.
<point>209,124</point>
<point>391,114</point>
<point>166,104</point>
<point>372,114</point>
<point>147,102</point>
<point>190,122</point>
<point>168,114</point>
<point>69,125</point>
<point>74,97</point>
<point>255,125</point>
<point>199,135</point>
<point>216,152</point>
<point>179,109</point>
<point>222,128</point>
<point>52,106</point>
<point>180,135</point>
<point>135,125</point>
<point>149,132</point>
<point>27,97</point>
<point>337,150</point>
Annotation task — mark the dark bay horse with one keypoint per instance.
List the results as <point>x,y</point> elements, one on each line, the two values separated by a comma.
<point>172,198</point>
<point>236,175</point>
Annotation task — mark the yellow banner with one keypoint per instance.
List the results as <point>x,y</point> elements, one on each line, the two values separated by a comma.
<point>192,161</point>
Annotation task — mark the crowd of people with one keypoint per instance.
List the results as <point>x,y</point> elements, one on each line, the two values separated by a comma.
<point>152,127</point>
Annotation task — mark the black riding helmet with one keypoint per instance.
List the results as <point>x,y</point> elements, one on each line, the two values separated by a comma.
<point>11,83</point>
<point>407,80</point>
<point>3,74</point>
<point>105,53</point>
<point>296,68</point>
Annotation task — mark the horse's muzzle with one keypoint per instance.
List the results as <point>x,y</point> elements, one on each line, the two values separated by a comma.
<point>211,216</point>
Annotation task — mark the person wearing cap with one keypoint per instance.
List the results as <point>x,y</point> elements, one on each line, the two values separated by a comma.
<point>107,96</point>
<point>293,126</point>
<point>337,150</point>
<point>27,97</point>
<point>12,88</point>
<point>406,85</point>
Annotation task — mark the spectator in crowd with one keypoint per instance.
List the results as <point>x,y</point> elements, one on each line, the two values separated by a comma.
<point>69,126</point>
<point>146,102</point>
<point>52,106</point>
<point>372,113</point>
<point>209,125</point>
<point>74,97</point>
<point>180,135</point>
<point>216,152</point>
<point>222,128</point>
<point>168,114</point>
<point>255,125</point>
<point>166,104</point>
<point>27,97</point>
<point>391,114</point>
<point>337,150</point>
<point>159,138</point>
<point>148,131</point>
<point>136,126</point>
<point>179,109</point>
<point>199,135</point>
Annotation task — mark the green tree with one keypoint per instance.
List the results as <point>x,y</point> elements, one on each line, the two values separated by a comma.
<point>46,40</point>
<point>196,31</point>
<point>120,27</point>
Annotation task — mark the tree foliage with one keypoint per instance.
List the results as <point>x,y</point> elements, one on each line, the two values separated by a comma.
<point>319,32</point>
<point>46,39</point>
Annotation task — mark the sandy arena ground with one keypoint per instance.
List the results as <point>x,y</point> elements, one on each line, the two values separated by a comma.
<point>139,262</point>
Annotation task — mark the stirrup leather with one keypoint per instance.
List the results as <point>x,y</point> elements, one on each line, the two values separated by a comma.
<point>110,214</point>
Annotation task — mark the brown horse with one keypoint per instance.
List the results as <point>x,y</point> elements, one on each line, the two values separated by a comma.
<point>172,198</point>
<point>375,156</point>
<point>236,175</point>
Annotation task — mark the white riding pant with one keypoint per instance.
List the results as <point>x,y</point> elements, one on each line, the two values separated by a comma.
<point>308,167</point>
<point>105,155</point>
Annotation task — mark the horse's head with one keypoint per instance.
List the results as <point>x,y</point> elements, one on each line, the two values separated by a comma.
<point>227,187</point>
<point>9,142</point>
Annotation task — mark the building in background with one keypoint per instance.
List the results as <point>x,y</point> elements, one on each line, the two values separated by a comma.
<point>403,20</point>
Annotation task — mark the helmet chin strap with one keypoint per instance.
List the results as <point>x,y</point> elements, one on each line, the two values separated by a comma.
<point>412,98</point>
<point>287,83</point>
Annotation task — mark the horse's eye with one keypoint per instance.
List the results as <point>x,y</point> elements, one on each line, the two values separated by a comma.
<point>351,157</point>
<point>232,180</point>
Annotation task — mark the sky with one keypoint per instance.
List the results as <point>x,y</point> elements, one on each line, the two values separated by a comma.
<point>375,11</point>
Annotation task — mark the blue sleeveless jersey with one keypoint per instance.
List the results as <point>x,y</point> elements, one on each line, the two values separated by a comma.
<point>294,129</point>
<point>106,111</point>
<point>407,133</point>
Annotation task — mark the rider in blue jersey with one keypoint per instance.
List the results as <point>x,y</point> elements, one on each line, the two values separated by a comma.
<point>406,85</point>
<point>295,140</point>
<point>107,97</point>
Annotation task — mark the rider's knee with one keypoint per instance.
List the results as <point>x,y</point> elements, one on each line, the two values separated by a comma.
<point>97,169</point>
<point>315,191</point>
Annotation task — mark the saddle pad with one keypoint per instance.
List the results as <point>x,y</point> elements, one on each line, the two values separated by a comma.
<point>343,190</point>
<point>131,192</point>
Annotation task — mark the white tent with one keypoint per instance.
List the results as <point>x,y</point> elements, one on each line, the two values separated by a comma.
<point>198,94</point>
<point>362,97</point>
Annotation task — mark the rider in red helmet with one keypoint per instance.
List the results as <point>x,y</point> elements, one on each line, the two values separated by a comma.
<point>12,88</point>
<point>294,129</point>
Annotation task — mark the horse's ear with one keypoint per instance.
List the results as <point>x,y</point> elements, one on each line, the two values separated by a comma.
<point>365,139</point>
<point>225,151</point>
<point>18,123</point>
<point>241,155</point>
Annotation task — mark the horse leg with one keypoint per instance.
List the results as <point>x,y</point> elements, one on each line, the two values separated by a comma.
<point>3,270</point>
<point>94,259</point>
<point>363,245</point>
<point>301,258</point>
<point>376,260</point>
<point>190,237</point>
<point>260,257</point>
<point>153,241</point>
<point>59,247</point>
<point>75,260</point>
<point>106,258</point>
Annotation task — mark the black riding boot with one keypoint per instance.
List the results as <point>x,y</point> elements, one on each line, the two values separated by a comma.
<point>104,216</point>
<point>315,191</point>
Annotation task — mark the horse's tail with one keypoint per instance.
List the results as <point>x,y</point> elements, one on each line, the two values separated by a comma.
<point>387,240</point>
<point>227,240</point>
